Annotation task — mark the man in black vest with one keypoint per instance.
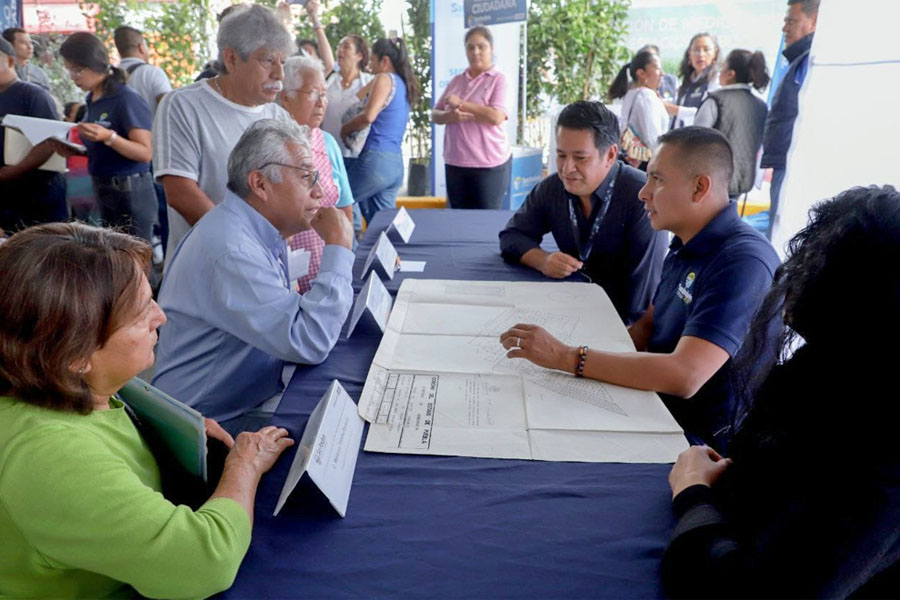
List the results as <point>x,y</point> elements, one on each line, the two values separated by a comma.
<point>591,207</point>
<point>799,27</point>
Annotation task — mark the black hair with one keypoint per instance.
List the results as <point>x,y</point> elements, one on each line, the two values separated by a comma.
<point>686,70</point>
<point>9,34</point>
<point>702,150</point>
<point>619,86</point>
<point>67,108</point>
<point>306,42</point>
<point>395,50</point>
<point>483,32</point>
<point>127,39</point>
<point>592,116</point>
<point>810,7</point>
<point>84,49</point>
<point>749,67</point>
<point>82,111</point>
<point>228,10</point>
<point>838,269</point>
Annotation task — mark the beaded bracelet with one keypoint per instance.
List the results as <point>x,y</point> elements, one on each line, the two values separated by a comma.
<point>579,362</point>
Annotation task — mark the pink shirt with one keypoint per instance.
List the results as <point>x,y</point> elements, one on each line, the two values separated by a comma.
<point>474,144</point>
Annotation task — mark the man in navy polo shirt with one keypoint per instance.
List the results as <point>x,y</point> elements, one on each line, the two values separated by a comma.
<point>716,273</point>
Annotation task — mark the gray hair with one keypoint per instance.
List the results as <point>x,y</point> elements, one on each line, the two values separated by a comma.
<point>265,141</point>
<point>294,68</point>
<point>247,29</point>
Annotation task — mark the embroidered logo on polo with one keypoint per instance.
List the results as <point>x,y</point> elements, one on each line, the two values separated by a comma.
<point>684,290</point>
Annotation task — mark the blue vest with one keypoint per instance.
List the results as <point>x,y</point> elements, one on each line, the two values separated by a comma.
<point>780,122</point>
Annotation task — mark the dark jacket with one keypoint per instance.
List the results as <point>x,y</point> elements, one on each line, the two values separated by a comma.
<point>783,113</point>
<point>627,255</point>
<point>811,505</point>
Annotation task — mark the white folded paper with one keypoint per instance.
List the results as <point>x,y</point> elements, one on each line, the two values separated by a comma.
<point>383,256</point>
<point>374,299</point>
<point>328,449</point>
<point>403,225</point>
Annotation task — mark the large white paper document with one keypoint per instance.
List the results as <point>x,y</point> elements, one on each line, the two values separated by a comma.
<point>440,382</point>
<point>403,225</point>
<point>328,449</point>
<point>384,256</point>
<point>374,298</point>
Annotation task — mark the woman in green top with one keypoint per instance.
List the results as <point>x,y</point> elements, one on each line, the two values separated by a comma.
<point>81,513</point>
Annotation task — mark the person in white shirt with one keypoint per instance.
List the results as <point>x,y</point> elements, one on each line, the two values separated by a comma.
<point>642,108</point>
<point>197,126</point>
<point>149,81</point>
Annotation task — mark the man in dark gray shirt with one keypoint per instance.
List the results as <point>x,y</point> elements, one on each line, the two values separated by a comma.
<point>591,207</point>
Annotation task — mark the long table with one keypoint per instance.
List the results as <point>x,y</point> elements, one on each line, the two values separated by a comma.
<point>425,527</point>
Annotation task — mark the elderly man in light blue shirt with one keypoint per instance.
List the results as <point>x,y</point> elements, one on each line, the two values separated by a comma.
<point>233,318</point>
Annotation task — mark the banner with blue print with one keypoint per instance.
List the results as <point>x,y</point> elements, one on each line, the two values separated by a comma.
<point>10,13</point>
<point>494,12</point>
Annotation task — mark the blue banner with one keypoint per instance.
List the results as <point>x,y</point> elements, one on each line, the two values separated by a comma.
<point>10,13</point>
<point>493,12</point>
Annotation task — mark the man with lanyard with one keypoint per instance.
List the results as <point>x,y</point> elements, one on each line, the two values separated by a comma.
<point>591,207</point>
<point>714,277</point>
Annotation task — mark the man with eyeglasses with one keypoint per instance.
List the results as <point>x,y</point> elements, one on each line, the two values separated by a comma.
<point>591,207</point>
<point>234,319</point>
<point>305,98</point>
<point>198,125</point>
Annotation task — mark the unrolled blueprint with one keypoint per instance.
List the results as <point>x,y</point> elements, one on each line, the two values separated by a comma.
<point>440,382</point>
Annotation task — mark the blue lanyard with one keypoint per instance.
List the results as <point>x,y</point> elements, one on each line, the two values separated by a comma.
<point>598,218</point>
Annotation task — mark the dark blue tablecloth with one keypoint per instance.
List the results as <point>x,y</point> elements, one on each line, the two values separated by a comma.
<point>421,526</point>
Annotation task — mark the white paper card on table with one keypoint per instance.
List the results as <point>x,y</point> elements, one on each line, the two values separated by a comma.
<point>384,255</point>
<point>412,266</point>
<point>298,263</point>
<point>328,449</point>
<point>375,298</point>
<point>403,225</point>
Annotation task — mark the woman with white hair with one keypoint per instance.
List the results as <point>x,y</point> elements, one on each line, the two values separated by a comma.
<point>305,97</point>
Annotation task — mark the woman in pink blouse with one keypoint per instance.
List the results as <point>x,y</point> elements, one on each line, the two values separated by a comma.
<point>473,107</point>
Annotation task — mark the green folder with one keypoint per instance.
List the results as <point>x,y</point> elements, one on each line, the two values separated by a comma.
<point>176,425</point>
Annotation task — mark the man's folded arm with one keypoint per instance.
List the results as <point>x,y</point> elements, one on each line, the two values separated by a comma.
<point>253,304</point>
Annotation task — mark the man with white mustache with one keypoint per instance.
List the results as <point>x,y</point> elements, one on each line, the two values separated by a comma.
<point>197,126</point>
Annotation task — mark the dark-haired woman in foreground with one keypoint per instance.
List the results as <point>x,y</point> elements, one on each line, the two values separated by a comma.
<point>808,502</point>
<point>734,110</point>
<point>116,132</point>
<point>81,513</point>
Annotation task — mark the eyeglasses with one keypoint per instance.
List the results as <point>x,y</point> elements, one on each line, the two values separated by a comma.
<point>315,95</point>
<point>75,71</point>
<point>310,177</point>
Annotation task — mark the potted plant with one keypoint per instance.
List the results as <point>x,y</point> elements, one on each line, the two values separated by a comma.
<point>418,42</point>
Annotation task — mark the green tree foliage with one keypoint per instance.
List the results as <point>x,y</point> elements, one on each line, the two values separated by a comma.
<point>342,17</point>
<point>178,32</point>
<point>418,42</point>
<point>575,49</point>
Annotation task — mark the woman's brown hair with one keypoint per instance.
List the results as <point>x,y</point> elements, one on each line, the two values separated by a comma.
<point>66,288</point>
